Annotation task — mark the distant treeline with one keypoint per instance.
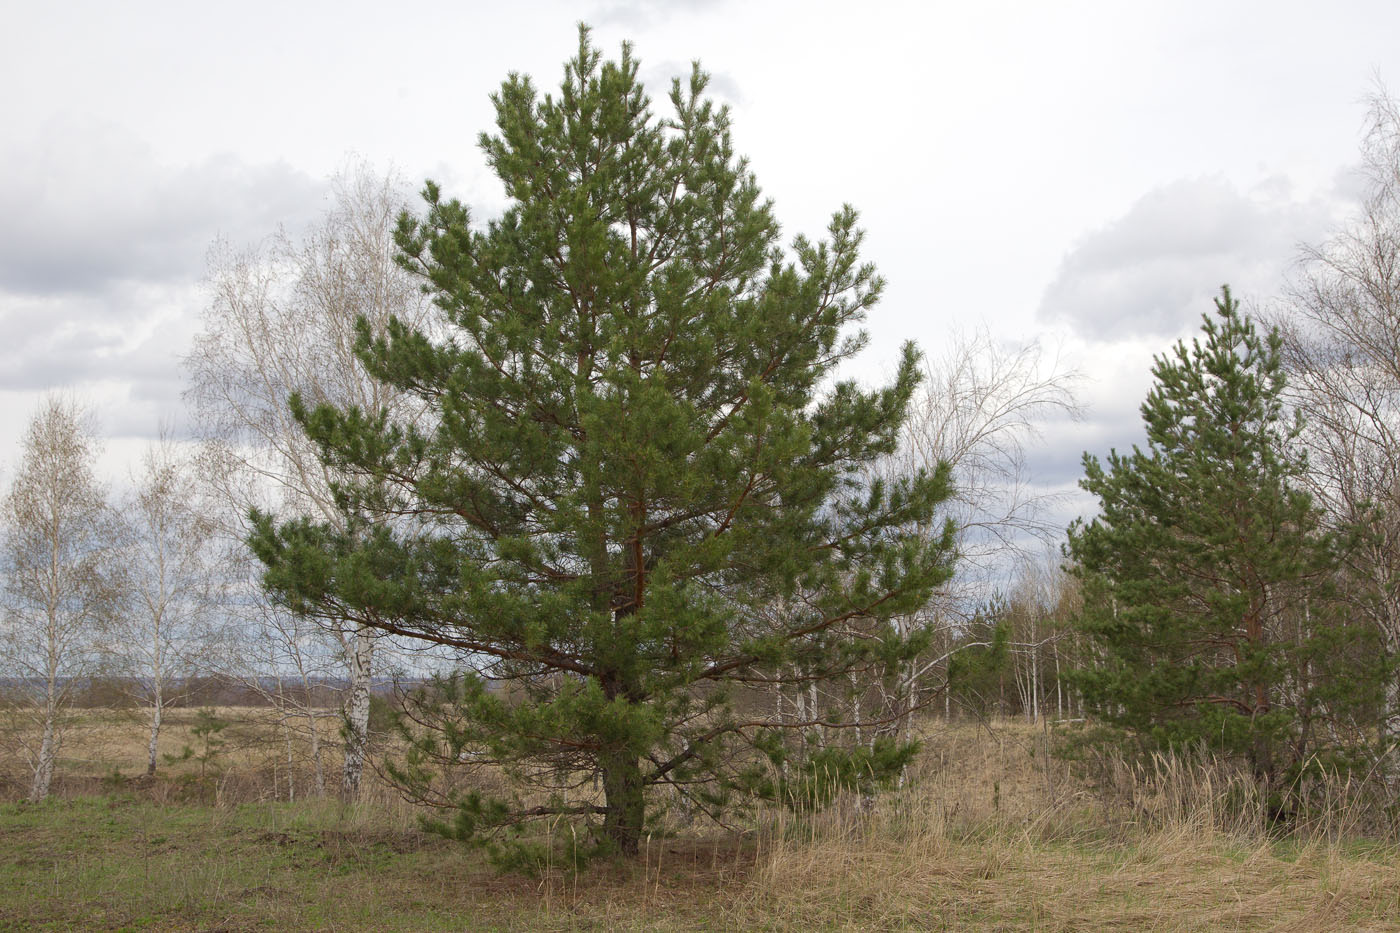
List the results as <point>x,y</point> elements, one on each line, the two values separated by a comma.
<point>113,692</point>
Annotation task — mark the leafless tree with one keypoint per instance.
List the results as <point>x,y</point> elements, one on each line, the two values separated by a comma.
<point>58,541</point>
<point>1341,329</point>
<point>982,407</point>
<point>163,637</point>
<point>288,660</point>
<point>1043,599</point>
<point>283,319</point>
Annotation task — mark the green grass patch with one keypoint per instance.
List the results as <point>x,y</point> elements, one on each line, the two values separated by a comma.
<point>120,863</point>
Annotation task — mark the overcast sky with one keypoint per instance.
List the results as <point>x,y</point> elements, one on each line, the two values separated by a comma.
<point>1084,173</point>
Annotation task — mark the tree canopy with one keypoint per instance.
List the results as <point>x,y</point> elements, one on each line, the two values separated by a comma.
<point>640,487</point>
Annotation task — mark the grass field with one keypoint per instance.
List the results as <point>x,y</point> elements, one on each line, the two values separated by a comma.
<point>990,835</point>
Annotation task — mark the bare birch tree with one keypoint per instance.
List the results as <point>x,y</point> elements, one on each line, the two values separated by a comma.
<point>1038,617</point>
<point>283,319</point>
<point>287,659</point>
<point>981,408</point>
<point>163,637</point>
<point>59,586</point>
<point>1341,329</point>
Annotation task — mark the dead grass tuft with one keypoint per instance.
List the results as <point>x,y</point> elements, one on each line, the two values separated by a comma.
<point>995,836</point>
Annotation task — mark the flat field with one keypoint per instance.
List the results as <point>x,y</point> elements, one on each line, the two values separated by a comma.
<point>990,834</point>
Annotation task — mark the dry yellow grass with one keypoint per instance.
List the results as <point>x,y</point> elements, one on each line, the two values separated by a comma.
<point>905,866</point>
<point>991,833</point>
<point>996,835</point>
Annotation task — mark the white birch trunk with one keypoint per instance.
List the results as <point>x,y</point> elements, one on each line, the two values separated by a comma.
<point>361,657</point>
<point>157,709</point>
<point>291,761</point>
<point>856,710</point>
<point>1059,689</point>
<point>319,771</point>
<point>43,766</point>
<point>1035,682</point>
<point>286,722</point>
<point>781,717</point>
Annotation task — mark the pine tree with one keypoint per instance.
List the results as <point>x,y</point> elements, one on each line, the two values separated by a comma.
<point>639,486</point>
<point>1208,575</point>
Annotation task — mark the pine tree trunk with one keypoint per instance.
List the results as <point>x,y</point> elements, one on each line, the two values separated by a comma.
<point>625,802</point>
<point>357,712</point>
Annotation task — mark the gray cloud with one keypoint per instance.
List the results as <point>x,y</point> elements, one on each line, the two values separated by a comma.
<point>1129,290</point>
<point>86,205</point>
<point>1057,464</point>
<point>101,251</point>
<point>1155,270</point>
<point>1056,467</point>
<point>46,342</point>
<point>131,333</point>
<point>1112,420</point>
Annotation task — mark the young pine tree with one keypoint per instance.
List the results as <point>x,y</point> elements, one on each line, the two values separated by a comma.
<point>638,484</point>
<point>1208,575</point>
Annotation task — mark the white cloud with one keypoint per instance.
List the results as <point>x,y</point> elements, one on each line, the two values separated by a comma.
<point>88,204</point>
<point>1156,269</point>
